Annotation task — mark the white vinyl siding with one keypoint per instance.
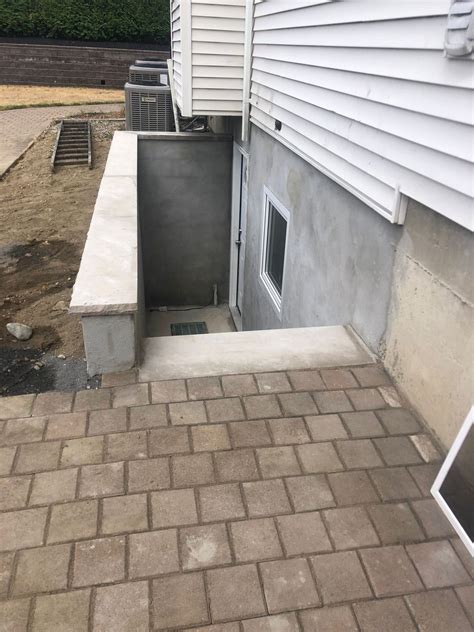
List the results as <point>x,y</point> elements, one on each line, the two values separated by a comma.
<point>208,56</point>
<point>365,94</point>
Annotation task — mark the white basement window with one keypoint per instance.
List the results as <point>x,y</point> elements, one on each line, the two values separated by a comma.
<point>276,220</point>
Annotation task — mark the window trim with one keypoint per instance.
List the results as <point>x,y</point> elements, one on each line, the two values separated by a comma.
<point>269,198</point>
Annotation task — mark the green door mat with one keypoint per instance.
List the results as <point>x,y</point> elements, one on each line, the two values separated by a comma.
<point>188,329</point>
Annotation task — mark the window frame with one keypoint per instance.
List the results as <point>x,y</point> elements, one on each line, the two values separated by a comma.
<point>270,199</point>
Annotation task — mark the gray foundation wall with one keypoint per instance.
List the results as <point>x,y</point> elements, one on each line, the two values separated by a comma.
<point>184,200</point>
<point>340,252</point>
<point>407,290</point>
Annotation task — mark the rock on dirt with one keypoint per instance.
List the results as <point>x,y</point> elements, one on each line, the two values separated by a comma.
<point>20,331</point>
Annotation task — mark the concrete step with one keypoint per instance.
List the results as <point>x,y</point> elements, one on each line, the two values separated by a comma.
<point>179,357</point>
<point>71,161</point>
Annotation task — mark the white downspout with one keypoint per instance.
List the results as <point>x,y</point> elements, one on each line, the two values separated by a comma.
<point>249,4</point>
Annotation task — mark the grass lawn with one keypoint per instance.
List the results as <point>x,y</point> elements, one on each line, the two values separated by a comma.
<point>13,96</point>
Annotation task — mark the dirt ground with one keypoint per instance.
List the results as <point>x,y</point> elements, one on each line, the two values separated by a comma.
<point>44,218</point>
<point>13,96</point>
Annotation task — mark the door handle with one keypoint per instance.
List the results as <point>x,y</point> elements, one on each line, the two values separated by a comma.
<point>238,242</point>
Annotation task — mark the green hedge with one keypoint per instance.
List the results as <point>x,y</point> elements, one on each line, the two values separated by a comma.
<point>95,20</point>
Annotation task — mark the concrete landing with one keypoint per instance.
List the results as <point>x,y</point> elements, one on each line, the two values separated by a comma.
<point>181,357</point>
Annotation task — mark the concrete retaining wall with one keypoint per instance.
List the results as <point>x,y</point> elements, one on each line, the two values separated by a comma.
<point>184,186</point>
<point>69,65</point>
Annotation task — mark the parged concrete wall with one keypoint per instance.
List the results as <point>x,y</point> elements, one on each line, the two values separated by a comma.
<point>429,344</point>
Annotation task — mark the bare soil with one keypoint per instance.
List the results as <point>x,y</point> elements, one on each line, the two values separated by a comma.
<point>44,218</point>
<point>13,96</point>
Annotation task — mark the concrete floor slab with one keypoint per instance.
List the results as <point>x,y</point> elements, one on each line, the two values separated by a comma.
<point>217,319</point>
<point>250,351</point>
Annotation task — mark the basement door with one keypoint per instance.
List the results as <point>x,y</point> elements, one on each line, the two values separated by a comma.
<point>238,232</point>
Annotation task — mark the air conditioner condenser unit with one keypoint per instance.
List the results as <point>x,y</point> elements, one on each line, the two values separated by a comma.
<point>148,108</point>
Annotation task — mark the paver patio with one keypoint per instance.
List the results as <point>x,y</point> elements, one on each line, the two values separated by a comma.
<point>277,502</point>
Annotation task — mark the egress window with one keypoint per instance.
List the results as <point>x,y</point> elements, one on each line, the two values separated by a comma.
<point>275,233</point>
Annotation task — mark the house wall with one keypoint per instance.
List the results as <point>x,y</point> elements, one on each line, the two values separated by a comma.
<point>365,94</point>
<point>408,291</point>
<point>207,44</point>
<point>184,186</point>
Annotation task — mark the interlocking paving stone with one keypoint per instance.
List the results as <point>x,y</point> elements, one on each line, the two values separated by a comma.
<point>192,469</point>
<point>52,402</point>
<point>398,451</point>
<point>179,600</point>
<point>53,487</point>
<point>221,502</point>
<point>390,615</point>
<point>87,451</point>
<point>229,409</point>
<point>173,507</point>
<point>425,448</point>
<point>130,395</point>
<point>14,492</point>
<point>92,400</point>
<point>398,421</point>
<point>218,627</point>
<point>424,476</point>
<point>124,513</point>
<point>187,413</point>
<point>438,611</point>
<point>261,406</point>
<point>168,391</point>
<point>340,577</point>
<point>463,555</point>
<point>105,421</point>
<point>338,379</point>
<point>73,521</point>
<point>437,564</point>
<point>272,383</point>
<point>366,398</point>
<point>332,402</point>
<point>7,456</point>
<point>122,608</point>
<point>210,438</point>
<point>363,424</point>
<point>350,528</point>
<point>329,619</point>
<point>18,431</point>
<point>6,567</point>
<point>319,457</point>
<point>235,593</point>
<point>148,475</point>
<point>288,585</point>
<point>266,498</point>
<point>390,571</point>
<point>352,488</point>
<point>306,381</point>
<point>204,388</point>
<point>371,376</point>
<point>359,454</point>
<point>278,622</point>
<point>168,441</point>
<point>99,561</point>
<point>395,523</point>
<point>142,417</point>
<point>297,404</point>
<point>235,385</point>
<point>326,427</point>
<point>119,379</point>
<point>394,483</point>
<point>288,431</point>
<point>14,615</point>
<point>42,570</point>
<point>22,529</point>
<point>432,518</point>
<point>70,426</point>
<point>68,612</point>
<point>153,553</point>
<point>126,446</point>
<point>255,540</point>
<point>204,547</point>
<point>278,462</point>
<point>310,492</point>
<point>38,457</point>
<point>466,597</point>
<point>303,533</point>
<point>17,406</point>
<point>237,465</point>
<point>246,434</point>
<point>101,480</point>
